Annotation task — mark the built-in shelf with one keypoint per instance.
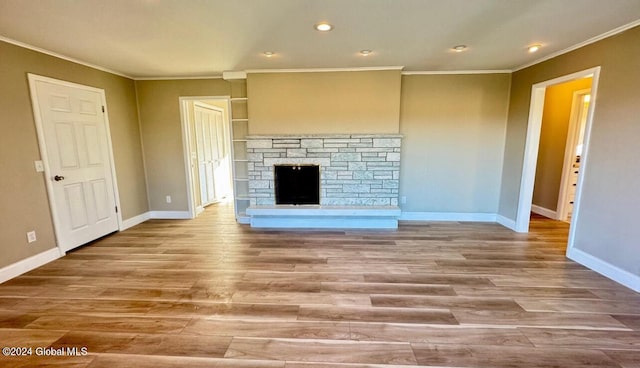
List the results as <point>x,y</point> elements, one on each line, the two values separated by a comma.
<point>239,130</point>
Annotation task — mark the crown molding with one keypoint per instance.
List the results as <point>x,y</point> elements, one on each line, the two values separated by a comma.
<point>597,38</point>
<point>176,78</point>
<point>325,70</point>
<point>63,57</point>
<point>234,75</point>
<point>446,72</point>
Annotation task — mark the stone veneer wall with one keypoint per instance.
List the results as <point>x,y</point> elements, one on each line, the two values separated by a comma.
<point>355,170</point>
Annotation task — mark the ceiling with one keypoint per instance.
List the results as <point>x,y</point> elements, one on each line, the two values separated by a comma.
<point>198,38</point>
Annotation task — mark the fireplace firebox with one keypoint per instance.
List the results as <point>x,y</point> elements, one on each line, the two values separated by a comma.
<point>297,184</point>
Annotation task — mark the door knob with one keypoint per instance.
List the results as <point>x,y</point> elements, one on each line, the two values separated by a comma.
<point>58,178</point>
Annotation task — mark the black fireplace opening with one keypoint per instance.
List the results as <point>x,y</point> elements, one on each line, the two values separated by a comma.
<point>297,184</point>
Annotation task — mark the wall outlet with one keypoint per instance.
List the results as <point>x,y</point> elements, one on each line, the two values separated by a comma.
<point>31,236</point>
<point>168,199</point>
<point>403,200</point>
<point>39,166</point>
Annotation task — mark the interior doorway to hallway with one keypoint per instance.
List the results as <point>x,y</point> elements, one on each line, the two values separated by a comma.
<point>533,145</point>
<point>207,150</point>
<point>564,118</point>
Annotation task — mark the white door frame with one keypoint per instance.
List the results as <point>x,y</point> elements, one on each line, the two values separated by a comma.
<point>33,78</point>
<point>532,144</point>
<point>186,141</point>
<point>569,152</point>
<point>221,111</point>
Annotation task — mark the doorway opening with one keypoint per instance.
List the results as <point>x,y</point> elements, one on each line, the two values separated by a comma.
<point>207,151</point>
<point>533,143</point>
<point>563,121</point>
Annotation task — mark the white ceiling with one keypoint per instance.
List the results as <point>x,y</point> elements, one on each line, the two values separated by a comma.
<point>171,38</point>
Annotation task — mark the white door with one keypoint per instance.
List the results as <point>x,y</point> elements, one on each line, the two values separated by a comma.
<point>208,126</point>
<point>73,129</point>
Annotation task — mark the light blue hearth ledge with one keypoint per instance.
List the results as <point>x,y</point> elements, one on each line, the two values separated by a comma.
<point>325,217</point>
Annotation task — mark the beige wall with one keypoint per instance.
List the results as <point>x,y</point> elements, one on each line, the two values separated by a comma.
<point>324,102</point>
<point>159,106</point>
<point>558,101</point>
<point>606,227</point>
<point>23,196</point>
<point>454,128</point>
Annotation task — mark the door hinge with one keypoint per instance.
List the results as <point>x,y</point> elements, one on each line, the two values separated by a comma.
<point>116,209</point>
<point>102,108</point>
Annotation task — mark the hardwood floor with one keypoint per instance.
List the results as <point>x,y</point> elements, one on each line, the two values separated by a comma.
<point>211,293</point>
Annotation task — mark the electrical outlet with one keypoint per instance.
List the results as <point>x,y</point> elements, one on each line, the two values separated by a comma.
<point>31,236</point>
<point>403,199</point>
<point>168,199</point>
<point>39,166</point>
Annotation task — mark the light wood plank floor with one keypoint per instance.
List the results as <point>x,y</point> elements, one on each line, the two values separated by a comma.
<point>212,293</point>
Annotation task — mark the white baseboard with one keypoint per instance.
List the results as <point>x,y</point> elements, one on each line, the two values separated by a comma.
<point>133,221</point>
<point>506,222</point>
<point>544,212</point>
<point>199,210</point>
<point>170,215</point>
<point>606,269</point>
<point>28,264</point>
<point>447,216</point>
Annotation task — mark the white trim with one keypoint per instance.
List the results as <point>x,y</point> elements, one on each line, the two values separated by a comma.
<point>28,264</point>
<point>577,107</point>
<point>597,38</point>
<point>530,159</point>
<point>325,70</point>
<point>506,222</point>
<point>186,141</point>
<point>447,216</point>
<point>33,79</point>
<point>176,78</point>
<point>170,215</point>
<point>199,210</point>
<point>532,144</point>
<point>231,75</point>
<point>604,268</point>
<point>584,159</point>
<point>544,212</point>
<point>446,72</point>
<point>61,56</point>
<point>135,220</point>
<point>186,151</point>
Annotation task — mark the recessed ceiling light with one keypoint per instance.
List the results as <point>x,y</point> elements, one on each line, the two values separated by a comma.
<point>268,53</point>
<point>323,27</point>
<point>534,48</point>
<point>365,52</point>
<point>459,48</point>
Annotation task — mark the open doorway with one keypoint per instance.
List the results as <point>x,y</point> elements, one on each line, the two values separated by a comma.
<point>563,122</point>
<point>207,150</point>
<point>532,146</point>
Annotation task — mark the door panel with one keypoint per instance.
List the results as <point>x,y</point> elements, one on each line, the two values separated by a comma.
<point>76,142</point>
<point>76,206</point>
<point>92,141</point>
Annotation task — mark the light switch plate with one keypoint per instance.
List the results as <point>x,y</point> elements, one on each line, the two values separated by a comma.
<point>39,166</point>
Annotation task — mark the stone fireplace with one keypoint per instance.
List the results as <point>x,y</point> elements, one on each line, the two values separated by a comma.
<point>359,176</point>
